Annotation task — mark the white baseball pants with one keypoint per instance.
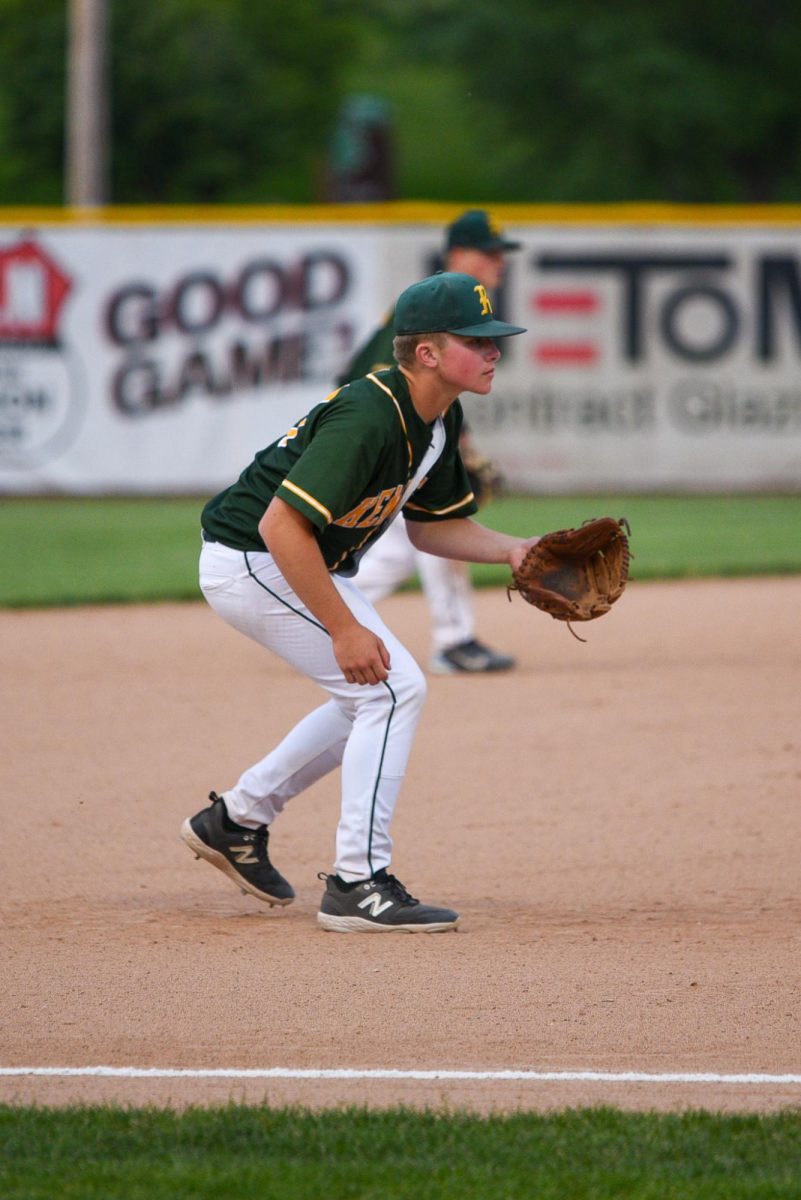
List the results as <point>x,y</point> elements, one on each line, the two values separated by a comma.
<point>446,584</point>
<point>368,730</point>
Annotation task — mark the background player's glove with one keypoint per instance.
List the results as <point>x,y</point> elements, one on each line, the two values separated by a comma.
<point>576,574</point>
<point>486,481</point>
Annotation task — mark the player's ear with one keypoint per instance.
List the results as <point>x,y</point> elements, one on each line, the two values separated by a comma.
<point>427,353</point>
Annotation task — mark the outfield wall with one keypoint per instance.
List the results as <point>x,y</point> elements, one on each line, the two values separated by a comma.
<point>154,351</point>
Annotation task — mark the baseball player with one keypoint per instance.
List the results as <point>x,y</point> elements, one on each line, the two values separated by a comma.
<point>279,561</point>
<point>477,247</point>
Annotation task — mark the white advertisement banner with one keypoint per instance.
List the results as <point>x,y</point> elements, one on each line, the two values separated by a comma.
<point>655,360</point>
<point>158,358</point>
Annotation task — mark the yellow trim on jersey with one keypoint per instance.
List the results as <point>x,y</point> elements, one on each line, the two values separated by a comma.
<point>293,487</point>
<point>441,512</point>
<point>384,388</point>
<point>351,550</point>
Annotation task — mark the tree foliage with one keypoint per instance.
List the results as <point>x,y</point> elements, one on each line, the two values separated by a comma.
<point>222,99</point>
<point>211,100</point>
<point>625,101</point>
<point>235,100</point>
<point>32,82</point>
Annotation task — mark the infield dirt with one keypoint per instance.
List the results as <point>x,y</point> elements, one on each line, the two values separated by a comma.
<point>619,824</point>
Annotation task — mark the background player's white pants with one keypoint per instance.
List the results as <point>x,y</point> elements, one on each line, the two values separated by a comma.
<point>446,584</point>
<point>368,730</point>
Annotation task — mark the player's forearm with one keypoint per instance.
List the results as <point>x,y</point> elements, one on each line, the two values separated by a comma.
<point>291,541</point>
<point>360,654</point>
<point>466,540</point>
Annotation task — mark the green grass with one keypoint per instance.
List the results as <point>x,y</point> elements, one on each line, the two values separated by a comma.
<point>76,551</point>
<point>673,536</point>
<point>83,1153</point>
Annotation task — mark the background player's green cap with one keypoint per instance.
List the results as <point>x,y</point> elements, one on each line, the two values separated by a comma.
<point>449,302</point>
<point>477,230</point>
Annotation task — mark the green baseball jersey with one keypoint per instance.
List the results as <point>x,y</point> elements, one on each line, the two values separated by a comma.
<point>347,466</point>
<point>374,355</point>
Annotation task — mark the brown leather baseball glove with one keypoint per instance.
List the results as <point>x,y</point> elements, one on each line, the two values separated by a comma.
<point>576,574</point>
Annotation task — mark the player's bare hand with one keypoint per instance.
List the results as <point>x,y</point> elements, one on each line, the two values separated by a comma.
<point>519,552</point>
<point>362,656</point>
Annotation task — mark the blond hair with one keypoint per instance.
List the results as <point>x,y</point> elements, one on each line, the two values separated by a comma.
<point>404,346</point>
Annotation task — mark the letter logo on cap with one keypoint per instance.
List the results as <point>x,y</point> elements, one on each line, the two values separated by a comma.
<point>486,307</point>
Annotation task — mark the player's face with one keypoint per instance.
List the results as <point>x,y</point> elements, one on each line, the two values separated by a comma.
<point>487,266</point>
<point>468,363</point>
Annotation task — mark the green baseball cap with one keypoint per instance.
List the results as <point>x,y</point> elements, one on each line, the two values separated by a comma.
<point>449,302</point>
<point>477,230</point>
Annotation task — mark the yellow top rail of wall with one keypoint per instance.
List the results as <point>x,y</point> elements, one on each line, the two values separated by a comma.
<point>412,212</point>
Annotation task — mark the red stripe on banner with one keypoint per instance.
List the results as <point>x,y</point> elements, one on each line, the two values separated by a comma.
<point>564,353</point>
<point>566,301</point>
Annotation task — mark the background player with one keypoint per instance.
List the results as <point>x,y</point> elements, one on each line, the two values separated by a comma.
<point>477,247</point>
<point>280,548</point>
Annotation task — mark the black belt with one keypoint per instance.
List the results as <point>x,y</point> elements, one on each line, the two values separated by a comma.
<point>206,537</point>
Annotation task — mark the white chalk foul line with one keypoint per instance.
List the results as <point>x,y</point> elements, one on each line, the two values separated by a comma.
<point>687,1077</point>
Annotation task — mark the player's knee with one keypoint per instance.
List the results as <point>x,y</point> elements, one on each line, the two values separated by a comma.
<point>410,686</point>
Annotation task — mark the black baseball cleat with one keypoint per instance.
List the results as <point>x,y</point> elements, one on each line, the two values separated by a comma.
<point>378,905</point>
<point>239,852</point>
<point>470,658</point>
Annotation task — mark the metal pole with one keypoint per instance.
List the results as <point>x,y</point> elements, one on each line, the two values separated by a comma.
<point>86,173</point>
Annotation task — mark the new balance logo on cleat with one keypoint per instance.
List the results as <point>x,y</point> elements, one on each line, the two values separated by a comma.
<point>243,854</point>
<point>374,904</point>
<point>386,908</point>
<point>239,853</point>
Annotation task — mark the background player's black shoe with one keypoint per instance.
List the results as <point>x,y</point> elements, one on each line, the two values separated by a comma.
<point>239,852</point>
<point>470,657</point>
<point>378,905</point>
